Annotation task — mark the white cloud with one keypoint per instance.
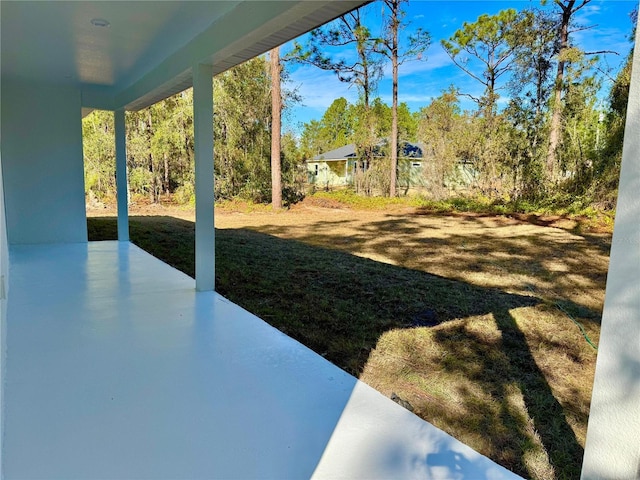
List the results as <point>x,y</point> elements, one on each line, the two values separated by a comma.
<point>433,59</point>
<point>319,88</point>
<point>586,14</point>
<point>436,58</point>
<point>596,37</point>
<point>610,38</point>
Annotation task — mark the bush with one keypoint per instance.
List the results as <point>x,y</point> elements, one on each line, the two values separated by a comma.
<point>185,194</point>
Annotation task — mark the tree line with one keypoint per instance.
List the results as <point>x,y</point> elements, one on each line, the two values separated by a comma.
<point>551,138</point>
<point>160,148</point>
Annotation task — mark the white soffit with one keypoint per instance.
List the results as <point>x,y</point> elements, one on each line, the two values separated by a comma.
<point>146,50</point>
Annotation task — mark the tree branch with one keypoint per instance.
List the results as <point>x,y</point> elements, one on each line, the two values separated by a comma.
<point>601,52</point>
<point>464,69</point>
<point>475,99</point>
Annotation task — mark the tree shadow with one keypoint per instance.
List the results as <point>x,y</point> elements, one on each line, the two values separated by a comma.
<point>341,305</point>
<point>567,267</point>
<point>544,409</point>
<point>496,369</point>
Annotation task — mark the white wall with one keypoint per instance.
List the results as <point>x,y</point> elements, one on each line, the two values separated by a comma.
<point>42,163</point>
<point>612,449</point>
<point>4,285</point>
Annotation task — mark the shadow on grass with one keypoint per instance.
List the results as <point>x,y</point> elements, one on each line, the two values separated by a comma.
<point>340,305</point>
<point>558,262</point>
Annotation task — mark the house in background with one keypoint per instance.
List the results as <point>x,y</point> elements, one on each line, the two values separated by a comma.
<point>334,168</point>
<point>115,365</point>
<point>337,168</point>
<point>417,170</point>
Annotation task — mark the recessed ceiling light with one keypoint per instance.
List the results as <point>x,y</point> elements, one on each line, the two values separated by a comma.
<point>100,22</point>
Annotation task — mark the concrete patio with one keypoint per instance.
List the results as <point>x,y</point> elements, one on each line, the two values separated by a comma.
<point>118,369</point>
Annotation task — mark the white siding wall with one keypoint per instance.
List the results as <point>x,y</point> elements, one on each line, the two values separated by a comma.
<point>612,449</point>
<point>42,163</point>
<point>4,285</point>
<point>330,174</point>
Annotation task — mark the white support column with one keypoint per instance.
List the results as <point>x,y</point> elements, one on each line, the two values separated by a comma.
<point>121,176</point>
<point>612,449</point>
<point>203,142</point>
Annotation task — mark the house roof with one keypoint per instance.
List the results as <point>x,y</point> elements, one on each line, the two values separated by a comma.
<point>407,150</point>
<point>348,151</point>
<point>133,54</point>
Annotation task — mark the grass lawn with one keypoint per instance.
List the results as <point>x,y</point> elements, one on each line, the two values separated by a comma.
<point>471,318</point>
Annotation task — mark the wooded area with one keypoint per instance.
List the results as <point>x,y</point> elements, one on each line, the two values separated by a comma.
<point>552,140</point>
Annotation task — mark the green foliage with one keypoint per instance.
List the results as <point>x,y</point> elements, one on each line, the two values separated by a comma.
<point>140,180</point>
<point>445,135</point>
<point>160,144</point>
<point>363,72</point>
<point>566,205</point>
<point>99,155</point>
<point>351,199</point>
<point>407,124</point>
<point>336,126</point>
<point>349,29</point>
<point>242,135</point>
<point>311,142</point>
<point>185,194</point>
<point>581,129</point>
<point>531,81</point>
<point>344,123</point>
<point>510,150</point>
<point>505,149</point>
<point>242,131</point>
<point>489,42</point>
<point>294,173</point>
<point>530,87</point>
<point>607,167</point>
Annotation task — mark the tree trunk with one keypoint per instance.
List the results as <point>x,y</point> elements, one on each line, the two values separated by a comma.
<point>276,112</point>
<point>152,170</point>
<point>166,174</point>
<point>394,107</point>
<point>556,117</point>
<point>366,91</point>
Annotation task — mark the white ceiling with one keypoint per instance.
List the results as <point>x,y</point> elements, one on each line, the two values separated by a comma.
<point>149,47</point>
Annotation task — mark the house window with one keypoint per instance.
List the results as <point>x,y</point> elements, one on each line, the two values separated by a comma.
<point>364,166</point>
<point>316,172</point>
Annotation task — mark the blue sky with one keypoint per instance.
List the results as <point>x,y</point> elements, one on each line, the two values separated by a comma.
<point>420,81</point>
